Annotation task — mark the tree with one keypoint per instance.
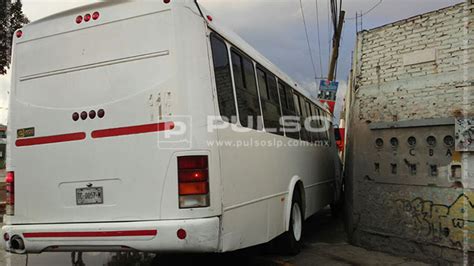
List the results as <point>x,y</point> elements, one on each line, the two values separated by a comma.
<point>11,19</point>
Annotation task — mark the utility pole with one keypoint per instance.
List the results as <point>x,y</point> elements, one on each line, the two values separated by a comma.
<point>335,46</point>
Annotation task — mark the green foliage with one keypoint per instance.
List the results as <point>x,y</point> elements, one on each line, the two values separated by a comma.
<point>11,19</point>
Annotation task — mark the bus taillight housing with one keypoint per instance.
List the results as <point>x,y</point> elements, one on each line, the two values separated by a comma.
<point>193,181</point>
<point>10,193</point>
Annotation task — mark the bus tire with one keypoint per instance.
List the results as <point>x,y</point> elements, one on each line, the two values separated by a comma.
<point>290,242</point>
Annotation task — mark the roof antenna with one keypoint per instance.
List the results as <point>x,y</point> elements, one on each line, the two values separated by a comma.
<point>199,8</point>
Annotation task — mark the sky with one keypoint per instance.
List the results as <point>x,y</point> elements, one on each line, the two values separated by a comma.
<point>275,28</point>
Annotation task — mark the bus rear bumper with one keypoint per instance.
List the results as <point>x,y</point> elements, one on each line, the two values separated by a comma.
<point>199,235</point>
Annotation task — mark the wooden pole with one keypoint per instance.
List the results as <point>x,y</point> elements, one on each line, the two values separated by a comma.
<point>335,46</point>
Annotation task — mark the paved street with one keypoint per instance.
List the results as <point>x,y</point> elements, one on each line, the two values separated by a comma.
<point>324,244</point>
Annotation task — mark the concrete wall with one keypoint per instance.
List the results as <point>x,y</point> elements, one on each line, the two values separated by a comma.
<point>409,188</point>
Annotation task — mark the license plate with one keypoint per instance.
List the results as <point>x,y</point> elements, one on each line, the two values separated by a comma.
<point>89,195</point>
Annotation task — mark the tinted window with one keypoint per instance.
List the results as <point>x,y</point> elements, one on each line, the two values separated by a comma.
<point>249,75</point>
<point>272,89</point>
<point>327,133</point>
<point>238,70</point>
<point>302,110</point>
<point>225,94</point>
<point>262,84</point>
<point>287,106</point>
<point>246,90</point>
<point>308,114</point>
<point>289,97</point>
<point>297,104</point>
<point>315,123</point>
<point>281,89</point>
<point>269,101</point>
<point>323,123</point>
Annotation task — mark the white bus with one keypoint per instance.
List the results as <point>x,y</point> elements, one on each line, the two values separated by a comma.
<point>98,160</point>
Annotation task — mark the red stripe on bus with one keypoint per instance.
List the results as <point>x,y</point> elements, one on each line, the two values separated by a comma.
<point>91,234</point>
<point>50,139</point>
<point>120,131</point>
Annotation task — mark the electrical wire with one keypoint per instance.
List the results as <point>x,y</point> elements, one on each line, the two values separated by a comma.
<point>307,40</point>
<point>329,32</point>
<point>368,11</point>
<point>319,39</point>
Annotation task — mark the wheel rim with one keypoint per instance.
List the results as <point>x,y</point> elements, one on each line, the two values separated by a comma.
<point>296,221</point>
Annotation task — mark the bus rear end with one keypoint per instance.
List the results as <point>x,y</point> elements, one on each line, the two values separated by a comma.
<point>93,93</point>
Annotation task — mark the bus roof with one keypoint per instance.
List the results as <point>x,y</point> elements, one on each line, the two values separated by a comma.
<point>215,25</point>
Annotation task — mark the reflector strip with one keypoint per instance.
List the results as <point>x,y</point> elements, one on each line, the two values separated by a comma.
<point>91,234</point>
<point>50,139</point>
<point>120,131</point>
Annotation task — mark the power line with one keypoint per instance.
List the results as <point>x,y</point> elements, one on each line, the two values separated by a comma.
<point>329,32</point>
<point>334,14</point>
<point>319,38</point>
<point>367,12</point>
<point>307,41</point>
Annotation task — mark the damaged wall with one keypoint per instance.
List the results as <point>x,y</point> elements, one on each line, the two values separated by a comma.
<point>409,162</point>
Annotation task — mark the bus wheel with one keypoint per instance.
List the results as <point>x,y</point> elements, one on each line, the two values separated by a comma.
<point>290,243</point>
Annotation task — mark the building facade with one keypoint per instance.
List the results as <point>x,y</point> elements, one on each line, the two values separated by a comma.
<point>409,160</point>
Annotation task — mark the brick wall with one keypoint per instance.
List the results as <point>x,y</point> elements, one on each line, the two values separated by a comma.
<point>418,90</point>
<point>412,78</point>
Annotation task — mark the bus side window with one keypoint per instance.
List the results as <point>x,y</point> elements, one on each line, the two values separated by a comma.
<point>289,98</point>
<point>324,123</point>
<point>301,113</point>
<point>262,84</point>
<point>315,123</point>
<point>304,133</point>
<point>328,130</point>
<point>269,101</point>
<point>246,90</point>
<point>281,89</point>
<point>287,106</point>
<point>225,94</point>
<point>308,115</point>
<point>273,90</point>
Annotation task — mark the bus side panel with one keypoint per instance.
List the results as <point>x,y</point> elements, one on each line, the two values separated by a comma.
<point>255,185</point>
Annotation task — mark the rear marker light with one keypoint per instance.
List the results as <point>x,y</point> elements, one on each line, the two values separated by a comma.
<point>92,114</point>
<point>84,115</point>
<point>209,18</point>
<point>19,34</point>
<point>181,233</point>
<point>10,193</point>
<point>193,181</point>
<point>101,113</point>
<point>79,19</point>
<point>87,17</point>
<point>6,237</point>
<point>95,15</point>
<point>166,1</point>
<point>75,116</point>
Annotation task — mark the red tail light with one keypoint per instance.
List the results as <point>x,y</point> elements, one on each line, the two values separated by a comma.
<point>193,181</point>
<point>79,19</point>
<point>10,189</point>
<point>95,15</point>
